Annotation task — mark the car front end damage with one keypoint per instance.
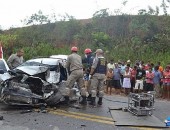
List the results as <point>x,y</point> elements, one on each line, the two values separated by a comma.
<point>35,84</point>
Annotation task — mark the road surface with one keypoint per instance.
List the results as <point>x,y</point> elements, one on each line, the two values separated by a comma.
<point>73,118</point>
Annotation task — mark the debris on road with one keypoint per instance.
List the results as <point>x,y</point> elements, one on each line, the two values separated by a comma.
<point>25,111</point>
<point>1,117</point>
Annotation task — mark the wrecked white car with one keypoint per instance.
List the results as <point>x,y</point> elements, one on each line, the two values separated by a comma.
<point>4,67</point>
<point>35,82</point>
<point>52,71</point>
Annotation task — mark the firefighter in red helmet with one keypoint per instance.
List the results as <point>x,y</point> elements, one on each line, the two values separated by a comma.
<point>88,59</point>
<point>87,51</point>
<point>87,62</point>
<point>74,65</point>
<point>74,49</point>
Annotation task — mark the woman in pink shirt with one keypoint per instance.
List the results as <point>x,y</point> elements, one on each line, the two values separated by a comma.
<point>149,81</point>
<point>166,83</point>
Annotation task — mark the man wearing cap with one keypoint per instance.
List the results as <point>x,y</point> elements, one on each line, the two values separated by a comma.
<point>97,75</point>
<point>74,65</point>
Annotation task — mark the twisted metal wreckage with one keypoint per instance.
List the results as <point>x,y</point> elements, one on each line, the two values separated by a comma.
<point>36,82</point>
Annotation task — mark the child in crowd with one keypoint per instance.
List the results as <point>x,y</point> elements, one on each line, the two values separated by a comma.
<point>109,80</point>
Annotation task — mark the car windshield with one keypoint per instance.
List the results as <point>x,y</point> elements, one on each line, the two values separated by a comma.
<point>2,66</point>
<point>33,63</point>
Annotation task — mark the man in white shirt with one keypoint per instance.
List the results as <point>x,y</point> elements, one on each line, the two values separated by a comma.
<point>110,65</point>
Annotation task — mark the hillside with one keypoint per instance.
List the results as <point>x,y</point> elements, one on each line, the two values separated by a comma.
<point>122,37</point>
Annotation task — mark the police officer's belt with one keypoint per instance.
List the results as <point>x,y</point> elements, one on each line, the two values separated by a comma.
<point>77,69</point>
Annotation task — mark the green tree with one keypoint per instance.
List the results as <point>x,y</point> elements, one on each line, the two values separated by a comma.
<point>164,7</point>
<point>65,30</point>
<point>101,13</point>
<point>8,43</point>
<point>101,39</point>
<point>37,18</point>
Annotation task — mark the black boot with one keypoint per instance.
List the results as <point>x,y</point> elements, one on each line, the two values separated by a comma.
<point>89,97</point>
<point>83,101</point>
<point>66,101</point>
<point>100,101</point>
<point>93,101</point>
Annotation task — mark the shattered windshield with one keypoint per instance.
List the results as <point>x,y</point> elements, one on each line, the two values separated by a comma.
<point>33,63</point>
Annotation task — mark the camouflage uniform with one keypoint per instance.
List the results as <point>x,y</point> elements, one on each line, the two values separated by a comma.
<point>74,65</point>
<point>98,77</point>
<point>97,81</point>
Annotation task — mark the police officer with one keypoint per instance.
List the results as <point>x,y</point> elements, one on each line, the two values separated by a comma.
<point>97,75</point>
<point>74,65</point>
<point>87,63</point>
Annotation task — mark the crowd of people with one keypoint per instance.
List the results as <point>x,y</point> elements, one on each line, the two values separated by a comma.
<point>123,77</point>
<point>126,77</point>
<point>95,76</point>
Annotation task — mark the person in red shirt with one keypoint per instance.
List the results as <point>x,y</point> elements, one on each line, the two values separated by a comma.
<point>166,83</point>
<point>147,66</point>
<point>149,81</point>
<point>133,78</point>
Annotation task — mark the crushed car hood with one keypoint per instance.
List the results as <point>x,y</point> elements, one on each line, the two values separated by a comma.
<point>32,70</point>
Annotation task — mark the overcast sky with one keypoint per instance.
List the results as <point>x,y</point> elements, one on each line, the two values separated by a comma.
<point>13,11</point>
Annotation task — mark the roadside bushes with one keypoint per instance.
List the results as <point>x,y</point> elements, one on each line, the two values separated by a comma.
<point>43,49</point>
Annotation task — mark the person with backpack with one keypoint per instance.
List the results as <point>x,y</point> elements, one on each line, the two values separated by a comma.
<point>87,63</point>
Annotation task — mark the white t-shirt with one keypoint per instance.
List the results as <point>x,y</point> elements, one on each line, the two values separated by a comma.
<point>109,65</point>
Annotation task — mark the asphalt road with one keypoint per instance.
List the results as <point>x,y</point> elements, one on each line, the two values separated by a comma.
<point>73,118</point>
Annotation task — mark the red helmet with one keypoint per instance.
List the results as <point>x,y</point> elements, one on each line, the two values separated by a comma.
<point>74,48</point>
<point>87,50</point>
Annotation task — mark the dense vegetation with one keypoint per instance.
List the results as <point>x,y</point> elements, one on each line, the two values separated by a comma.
<point>144,36</point>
